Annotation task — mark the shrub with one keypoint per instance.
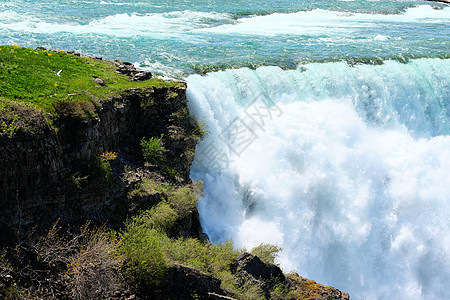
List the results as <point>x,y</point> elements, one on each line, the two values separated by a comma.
<point>9,130</point>
<point>90,258</point>
<point>161,218</point>
<point>104,166</point>
<point>77,179</point>
<point>80,110</point>
<point>183,200</point>
<point>20,117</point>
<point>173,173</point>
<point>149,251</point>
<point>281,291</point>
<point>93,270</point>
<point>152,149</point>
<point>252,292</point>
<point>201,128</point>
<point>145,260</point>
<point>266,252</point>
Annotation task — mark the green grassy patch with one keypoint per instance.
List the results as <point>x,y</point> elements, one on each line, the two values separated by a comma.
<point>149,251</point>
<point>31,76</point>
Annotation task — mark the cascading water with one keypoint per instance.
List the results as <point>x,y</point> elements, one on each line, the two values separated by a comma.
<point>345,167</point>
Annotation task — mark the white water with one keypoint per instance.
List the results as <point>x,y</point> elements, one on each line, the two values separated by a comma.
<point>156,25</point>
<point>172,24</point>
<point>321,21</point>
<point>349,171</point>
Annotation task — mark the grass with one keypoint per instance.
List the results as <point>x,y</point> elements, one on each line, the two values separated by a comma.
<point>30,76</point>
<point>149,251</point>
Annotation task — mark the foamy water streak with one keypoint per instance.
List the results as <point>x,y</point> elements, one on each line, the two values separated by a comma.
<point>157,25</point>
<point>350,176</point>
<point>321,21</point>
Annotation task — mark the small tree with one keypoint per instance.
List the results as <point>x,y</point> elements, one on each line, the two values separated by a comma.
<point>152,149</point>
<point>104,166</point>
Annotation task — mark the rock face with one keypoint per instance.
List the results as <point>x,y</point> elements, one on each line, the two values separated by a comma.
<point>311,290</point>
<point>50,173</point>
<point>183,282</point>
<point>253,266</point>
<point>251,269</point>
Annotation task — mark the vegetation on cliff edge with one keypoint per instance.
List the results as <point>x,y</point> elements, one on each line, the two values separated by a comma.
<point>37,83</point>
<point>42,77</point>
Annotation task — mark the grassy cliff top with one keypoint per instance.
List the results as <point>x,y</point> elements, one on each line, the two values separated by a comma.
<point>40,77</point>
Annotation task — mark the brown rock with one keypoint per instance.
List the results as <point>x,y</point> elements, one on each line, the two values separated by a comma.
<point>311,290</point>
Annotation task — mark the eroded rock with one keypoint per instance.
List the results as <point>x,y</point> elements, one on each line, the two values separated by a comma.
<point>183,282</point>
<point>130,70</point>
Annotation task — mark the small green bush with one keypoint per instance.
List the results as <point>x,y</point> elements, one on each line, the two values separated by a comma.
<point>161,218</point>
<point>183,200</point>
<point>78,109</point>
<point>173,173</point>
<point>9,130</point>
<point>145,259</point>
<point>104,171</point>
<point>152,149</point>
<point>201,128</point>
<point>266,252</point>
<point>149,251</point>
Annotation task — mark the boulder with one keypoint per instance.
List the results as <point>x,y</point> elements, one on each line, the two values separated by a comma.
<point>183,282</point>
<point>130,70</point>
<point>255,267</point>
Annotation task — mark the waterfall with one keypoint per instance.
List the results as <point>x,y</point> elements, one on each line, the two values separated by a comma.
<point>347,168</point>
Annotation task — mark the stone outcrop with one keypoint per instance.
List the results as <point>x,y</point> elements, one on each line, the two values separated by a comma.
<point>129,69</point>
<point>311,290</point>
<point>49,172</point>
<point>252,265</point>
<point>183,282</point>
<point>253,271</point>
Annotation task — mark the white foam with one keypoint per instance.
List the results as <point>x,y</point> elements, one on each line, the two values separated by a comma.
<point>158,67</point>
<point>158,25</point>
<point>163,25</point>
<point>342,179</point>
<point>319,21</point>
<point>381,37</point>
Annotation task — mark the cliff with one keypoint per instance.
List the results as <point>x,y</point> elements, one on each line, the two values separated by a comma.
<point>101,141</point>
<point>49,160</point>
<point>50,173</point>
